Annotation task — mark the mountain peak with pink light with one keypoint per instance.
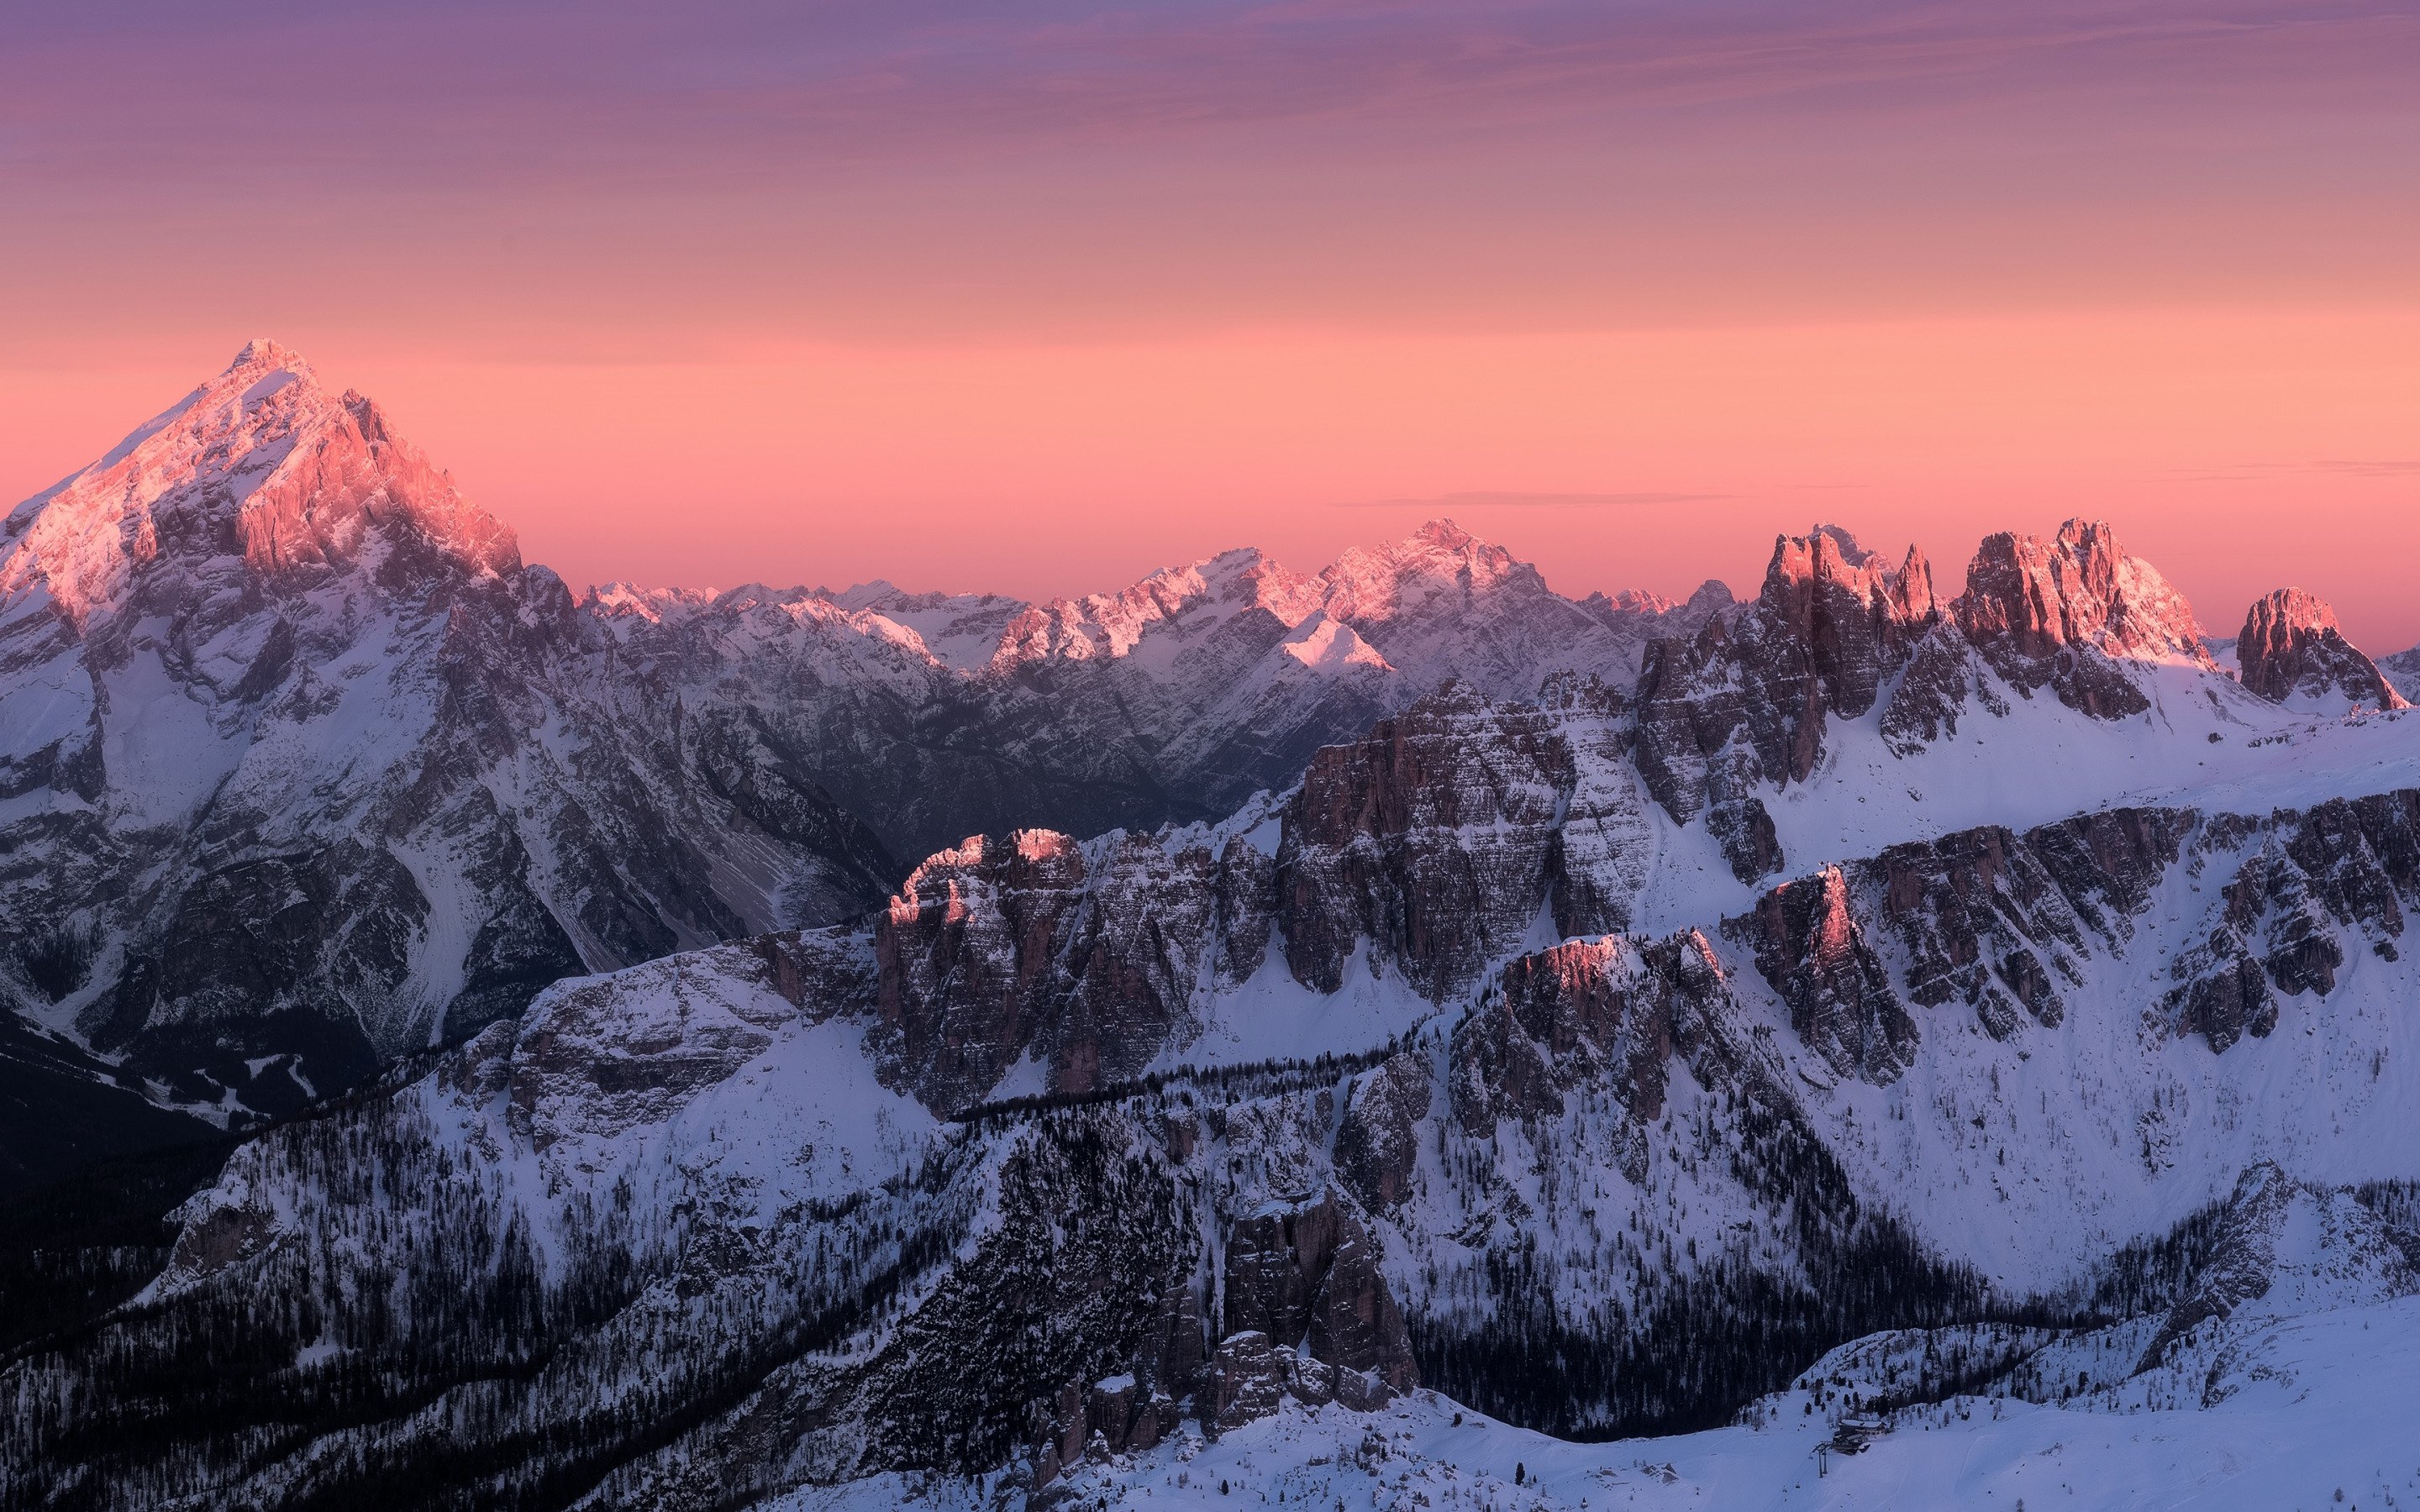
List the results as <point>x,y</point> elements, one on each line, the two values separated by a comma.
<point>263,468</point>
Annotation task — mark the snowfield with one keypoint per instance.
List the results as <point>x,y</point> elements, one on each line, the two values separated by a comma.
<point>1906,1050</point>
<point>2312,1406</point>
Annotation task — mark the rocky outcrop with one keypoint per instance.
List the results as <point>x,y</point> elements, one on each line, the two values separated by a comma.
<point>1979,914</point>
<point>2360,860</point>
<point>2000,921</point>
<point>1433,849</point>
<point>1249,1376</point>
<point>1945,674</point>
<point>2275,1235</point>
<point>1605,845</point>
<point>1745,702</point>
<point>1608,1014</point>
<point>1089,959</point>
<point>969,951</point>
<point>1811,949</point>
<point>1377,1144</point>
<point>1744,828</point>
<point>1302,1280</point>
<point>2301,884</point>
<point>2075,614</point>
<point>1277,1257</point>
<point>1432,845</point>
<point>2066,614</point>
<point>1726,710</point>
<point>1980,917</point>
<point>587,1062</point>
<point>2291,649</point>
<point>2227,996</point>
<point>1856,614</point>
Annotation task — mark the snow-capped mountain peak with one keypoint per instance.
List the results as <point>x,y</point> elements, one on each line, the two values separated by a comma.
<point>263,466</point>
<point>1344,982</point>
<point>1183,601</point>
<point>304,766</point>
<point>2078,588</point>
<point>1438,566</point>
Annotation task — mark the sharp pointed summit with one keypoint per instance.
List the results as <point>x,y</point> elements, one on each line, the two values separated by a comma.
<point>263,471</point>
<point>1313,986</point>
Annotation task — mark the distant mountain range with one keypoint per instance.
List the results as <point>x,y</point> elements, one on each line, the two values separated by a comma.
<point>1315,992</point>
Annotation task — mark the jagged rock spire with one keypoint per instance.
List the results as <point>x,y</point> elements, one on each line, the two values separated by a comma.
<point>2291,649</point>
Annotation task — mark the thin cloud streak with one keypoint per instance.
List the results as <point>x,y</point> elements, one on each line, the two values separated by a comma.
<point>554,93</point>
<point>2323,466</point>
<point>1497,499</point>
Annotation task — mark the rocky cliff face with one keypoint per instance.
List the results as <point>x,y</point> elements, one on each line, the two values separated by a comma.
<point>2002,923</point>
<point>1436,847</point>
<point>1431,844</point>
<point>1605,1014</point>
<point>937,717</point>
<point>307,768</point>
<point>704,1193</point>
<point>2068,612</point>
<point>1089,960</point>
<point>1744,703</point>
<point>2292,651</point>
<point>1857,615</point>
<point>1307,1314</point>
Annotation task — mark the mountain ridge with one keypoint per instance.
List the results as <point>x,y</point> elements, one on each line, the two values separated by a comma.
<point>1329,992</point>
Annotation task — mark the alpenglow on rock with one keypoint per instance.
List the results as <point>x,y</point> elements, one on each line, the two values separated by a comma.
<point>934,717</point>
<point>1463,1063</point>
<point>2292,651</point>
<point>305,768</point>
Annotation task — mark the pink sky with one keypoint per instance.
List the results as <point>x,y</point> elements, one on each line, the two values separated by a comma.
<point>813,293</point>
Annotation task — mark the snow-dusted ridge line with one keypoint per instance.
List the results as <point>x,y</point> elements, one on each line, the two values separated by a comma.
<point>303,767</point>
<point>264,650</point>
<point>270,635</point>
<point>1614,1148</point>
<point>1874,961</point>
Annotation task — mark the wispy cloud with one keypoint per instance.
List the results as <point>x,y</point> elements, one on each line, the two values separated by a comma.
<point>1508,499</point>
<point>2336,466</point>
<point>2358,469</point>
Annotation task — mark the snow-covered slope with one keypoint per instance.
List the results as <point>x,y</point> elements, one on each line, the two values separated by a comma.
<point>1985,1079</point>
<point>301,767</point>
<point>1988,1011</point>
<point>938,717</point>
<point>2402,670</point>
<point>2302,1412</point>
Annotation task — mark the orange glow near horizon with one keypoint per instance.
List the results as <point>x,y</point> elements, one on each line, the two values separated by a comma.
<point>2239,452</point>
<point>1037,301</point>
